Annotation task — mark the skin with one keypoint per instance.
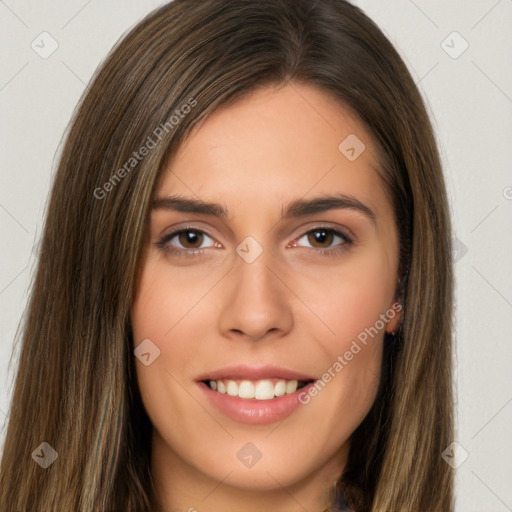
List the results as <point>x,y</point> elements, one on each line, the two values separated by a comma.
<point>294,306</point>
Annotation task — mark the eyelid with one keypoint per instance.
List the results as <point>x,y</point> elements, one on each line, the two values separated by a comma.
<point>314,225</point>
<point>348,239</point>
<point>165,239</point>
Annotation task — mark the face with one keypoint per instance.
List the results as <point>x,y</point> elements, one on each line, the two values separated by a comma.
<point>269,289</point>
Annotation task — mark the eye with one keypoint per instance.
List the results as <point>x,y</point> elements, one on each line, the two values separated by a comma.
<point>322,238</point>
<point>189,241</point>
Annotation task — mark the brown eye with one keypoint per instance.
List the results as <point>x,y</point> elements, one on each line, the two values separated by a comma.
<point>323,237</point>
<point>186,241</point>
<point>190,239</point>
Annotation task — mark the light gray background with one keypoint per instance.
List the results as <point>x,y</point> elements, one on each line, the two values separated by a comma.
<point>470,102</point>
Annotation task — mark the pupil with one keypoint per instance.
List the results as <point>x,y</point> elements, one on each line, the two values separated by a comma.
<point>189,237</point>
<point>320,236</point>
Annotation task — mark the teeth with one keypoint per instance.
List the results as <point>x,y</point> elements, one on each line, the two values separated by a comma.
<point>280,388</point>
<point>246,389</point>
<point>263,389</point>
<point>291,386</point>
<point>232,388</point>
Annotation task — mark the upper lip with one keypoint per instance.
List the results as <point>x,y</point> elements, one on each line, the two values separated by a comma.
<point>254,372</point>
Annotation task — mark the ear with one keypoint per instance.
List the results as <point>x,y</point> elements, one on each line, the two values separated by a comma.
<point>394,313</point>
<point>394,316</point>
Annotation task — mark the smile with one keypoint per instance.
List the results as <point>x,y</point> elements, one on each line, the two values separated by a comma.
<point>263,389</point>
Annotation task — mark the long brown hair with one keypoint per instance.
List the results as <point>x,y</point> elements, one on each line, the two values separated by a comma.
<point>75,387</point>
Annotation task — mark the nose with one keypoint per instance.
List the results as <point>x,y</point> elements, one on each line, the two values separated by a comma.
<point>256,304</point>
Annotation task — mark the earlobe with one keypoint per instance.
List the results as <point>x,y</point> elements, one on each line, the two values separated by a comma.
<point>394,315</point>
<point>395,310</point>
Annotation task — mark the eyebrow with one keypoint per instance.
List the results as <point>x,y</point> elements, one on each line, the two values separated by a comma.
<point>296,209</point>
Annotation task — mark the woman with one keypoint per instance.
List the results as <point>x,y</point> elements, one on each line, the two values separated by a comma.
<point>250,370</point>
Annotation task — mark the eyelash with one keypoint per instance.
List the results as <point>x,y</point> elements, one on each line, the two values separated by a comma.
<point>163,242</point>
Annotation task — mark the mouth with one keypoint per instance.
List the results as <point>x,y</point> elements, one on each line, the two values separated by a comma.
<point>255,394</point>
<point>261,389</point>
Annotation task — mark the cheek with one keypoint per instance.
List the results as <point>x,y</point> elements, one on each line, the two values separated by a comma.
<point>159,313</point>
<point>163,311</point>
<point>167,298</point>
<point>351,300</point>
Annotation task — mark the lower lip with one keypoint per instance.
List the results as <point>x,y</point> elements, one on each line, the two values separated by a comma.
<point>255,412</point>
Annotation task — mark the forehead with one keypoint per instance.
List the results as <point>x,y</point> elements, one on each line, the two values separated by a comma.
<point>279,143</point>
